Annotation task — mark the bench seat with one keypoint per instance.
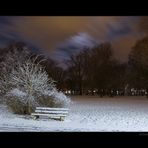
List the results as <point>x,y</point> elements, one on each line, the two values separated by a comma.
<point>55,113</point>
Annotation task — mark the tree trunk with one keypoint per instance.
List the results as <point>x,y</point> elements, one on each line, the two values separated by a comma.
<point>29,107</point>
<point>92,91</point>
<point>80,91</point>
<point>80,87</point>
<point>147,92</point>
<point>29,101</point>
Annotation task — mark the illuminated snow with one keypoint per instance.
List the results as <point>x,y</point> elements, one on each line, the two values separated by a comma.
<point>87,114</point>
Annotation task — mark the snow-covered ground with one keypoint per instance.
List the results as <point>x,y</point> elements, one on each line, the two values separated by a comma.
<point>86,114</point>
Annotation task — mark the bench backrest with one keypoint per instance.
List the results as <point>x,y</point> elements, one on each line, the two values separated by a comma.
<point>51,110</point>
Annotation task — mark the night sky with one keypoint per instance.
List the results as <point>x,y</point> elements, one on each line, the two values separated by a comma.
<point>63,36</point>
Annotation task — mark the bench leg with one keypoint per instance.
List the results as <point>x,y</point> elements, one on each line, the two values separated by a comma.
<point>61,118</point>
<point>35,117</point>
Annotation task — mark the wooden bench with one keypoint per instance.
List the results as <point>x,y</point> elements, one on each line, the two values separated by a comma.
<point>54,113</point>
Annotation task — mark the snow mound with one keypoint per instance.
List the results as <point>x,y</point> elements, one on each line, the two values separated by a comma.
<point>18,93</point>
<point>59,97</point>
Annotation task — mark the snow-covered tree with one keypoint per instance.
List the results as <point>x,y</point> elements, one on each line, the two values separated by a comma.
<point>11,60</point>
<point>31,78</point>
<point>27,84</point>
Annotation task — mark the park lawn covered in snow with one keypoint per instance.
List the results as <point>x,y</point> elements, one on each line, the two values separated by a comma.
<point>87,113</point>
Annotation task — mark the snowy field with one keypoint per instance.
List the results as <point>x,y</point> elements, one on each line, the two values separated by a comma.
<point>86,114</point>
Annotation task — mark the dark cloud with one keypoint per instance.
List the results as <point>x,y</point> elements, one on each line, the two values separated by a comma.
<point>63,36</point>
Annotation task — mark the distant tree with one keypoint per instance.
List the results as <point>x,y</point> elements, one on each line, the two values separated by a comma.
<point>95,68</point>
<point>138,65</point>
<point>76,71</point>
<point>100,63</point>
<point>118,77</point>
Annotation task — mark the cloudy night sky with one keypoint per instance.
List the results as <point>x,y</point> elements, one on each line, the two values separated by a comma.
<point>62,36</point>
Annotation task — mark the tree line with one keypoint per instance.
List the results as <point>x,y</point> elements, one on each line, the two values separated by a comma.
<point>97,71</point>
